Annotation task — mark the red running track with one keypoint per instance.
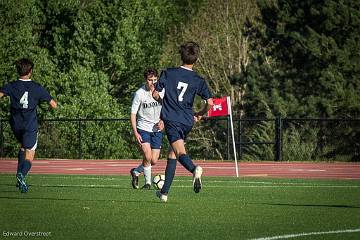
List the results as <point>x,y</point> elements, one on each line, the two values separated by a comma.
<point>211,168</point>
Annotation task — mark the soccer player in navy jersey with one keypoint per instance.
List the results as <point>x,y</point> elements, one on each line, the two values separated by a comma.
<point>181,85</point>
<point>25,95</point>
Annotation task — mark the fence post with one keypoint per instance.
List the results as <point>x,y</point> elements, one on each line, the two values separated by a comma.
<point>1,138</point>
<point>227,137</point>
<point>240,138</point>
<point>79,139</point>
<point>278,142</point>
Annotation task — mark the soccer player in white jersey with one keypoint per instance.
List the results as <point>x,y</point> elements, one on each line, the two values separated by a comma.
<point>146,126</point>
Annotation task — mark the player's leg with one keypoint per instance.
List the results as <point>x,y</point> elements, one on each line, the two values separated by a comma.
<point>147,151</point>
<point>188,164</point>
<point>29,144</point>
<point>135,172</point>
<point>185,160</point>
<point>156,142</point>
<point>145,166</point>
<point>155,145</point>
<point>151,155</point>
<point>173,134</point>
<point>169,171</point>
<point>155,153</point>
<point>21,159</point>
<point>21,154</point>
<point>142,168</point>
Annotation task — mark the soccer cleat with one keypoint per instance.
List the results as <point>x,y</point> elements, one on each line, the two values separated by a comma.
<point>24,188</point>
<point>197,179</point>
<point>17,184</point>
<point>162,197</point>
<point>134,179</point>
<point>22,184</point>
<point>146,187</point>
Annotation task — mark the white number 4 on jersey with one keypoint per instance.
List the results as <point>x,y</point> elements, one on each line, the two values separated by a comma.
<point>24,99</point>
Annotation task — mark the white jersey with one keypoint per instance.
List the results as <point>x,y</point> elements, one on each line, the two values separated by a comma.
<point>147,110</point>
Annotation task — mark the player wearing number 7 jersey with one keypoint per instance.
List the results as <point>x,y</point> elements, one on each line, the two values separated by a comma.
<point>25,95</point>
<point>181,86</point>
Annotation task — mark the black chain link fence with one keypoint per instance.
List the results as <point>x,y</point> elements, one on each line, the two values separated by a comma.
<point>287,139</point>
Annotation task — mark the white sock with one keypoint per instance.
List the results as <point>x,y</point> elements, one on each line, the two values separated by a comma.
<point>139,170</point>
<point>147,174</point>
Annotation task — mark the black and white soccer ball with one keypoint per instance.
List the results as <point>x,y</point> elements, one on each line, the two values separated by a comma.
<point>158,181</point>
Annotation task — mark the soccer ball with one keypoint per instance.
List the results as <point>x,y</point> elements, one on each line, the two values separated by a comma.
<point>158,181</point>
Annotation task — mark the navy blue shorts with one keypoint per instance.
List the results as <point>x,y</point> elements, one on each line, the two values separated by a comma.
<point>176,131</point>
<point>154,138</point>
<point>27,138</point>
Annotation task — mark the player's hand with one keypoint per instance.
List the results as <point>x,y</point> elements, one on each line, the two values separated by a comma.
<point>197,117</point>
<point>138,138</point>
<point>152,88</point>
<point>160,125</point>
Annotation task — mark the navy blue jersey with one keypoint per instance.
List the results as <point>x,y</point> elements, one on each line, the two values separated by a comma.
<point>181,86</point>
<point>24,98</point>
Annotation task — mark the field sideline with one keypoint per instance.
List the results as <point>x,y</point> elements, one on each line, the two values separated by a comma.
<point>69,201</point>
<point>316,170</point>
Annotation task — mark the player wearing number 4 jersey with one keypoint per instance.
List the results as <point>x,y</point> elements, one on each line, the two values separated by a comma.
<point>181,86</point>
<point>25,95</point>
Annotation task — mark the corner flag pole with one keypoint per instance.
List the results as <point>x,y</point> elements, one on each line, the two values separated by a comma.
<point>232,133</point>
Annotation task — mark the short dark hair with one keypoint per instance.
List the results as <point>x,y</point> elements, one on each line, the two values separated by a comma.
<point>150,71</point>
<point>24,66</point>
<point>189,52</point>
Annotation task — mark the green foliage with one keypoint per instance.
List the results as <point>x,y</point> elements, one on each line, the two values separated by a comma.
<point>298,59</point>
<point>303,63</point>
<point>209,139</point>
<point>299,144</point>
<point>258,136</point>
<point>90,55</point>
<point>310,48</point>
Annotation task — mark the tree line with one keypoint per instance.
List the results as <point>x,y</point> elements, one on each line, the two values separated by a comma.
<point>295,59</point>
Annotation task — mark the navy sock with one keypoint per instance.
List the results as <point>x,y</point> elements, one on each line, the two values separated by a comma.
<point>26,167</point>
<point>186,161</point>
<point>21,159</point>
<point>169,175</point>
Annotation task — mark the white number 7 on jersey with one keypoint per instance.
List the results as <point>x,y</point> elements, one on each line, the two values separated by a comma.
<point>24,99</point>
<point>183,86</point>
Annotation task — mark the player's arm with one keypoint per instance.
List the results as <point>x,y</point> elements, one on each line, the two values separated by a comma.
<point>156,96</point>
<point>134,109</point>
<point>5,91</point>
<point>159,88</point>
<point>198,115</point>
<point>160,125</point>
<point>134,128</point>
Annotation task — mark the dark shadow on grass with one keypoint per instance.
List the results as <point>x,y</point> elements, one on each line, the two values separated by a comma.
<point>24,197</point>
<point>7,184</point>
<point>69,186</point>
<point>75,186</point>
<point>306,205</point>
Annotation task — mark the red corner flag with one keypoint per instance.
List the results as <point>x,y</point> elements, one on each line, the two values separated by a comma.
<point>220,107</point>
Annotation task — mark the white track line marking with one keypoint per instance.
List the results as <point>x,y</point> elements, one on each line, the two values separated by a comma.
<point>307,234</point>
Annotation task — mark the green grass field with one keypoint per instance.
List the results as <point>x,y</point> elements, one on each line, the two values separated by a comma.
<point>106,207</point>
